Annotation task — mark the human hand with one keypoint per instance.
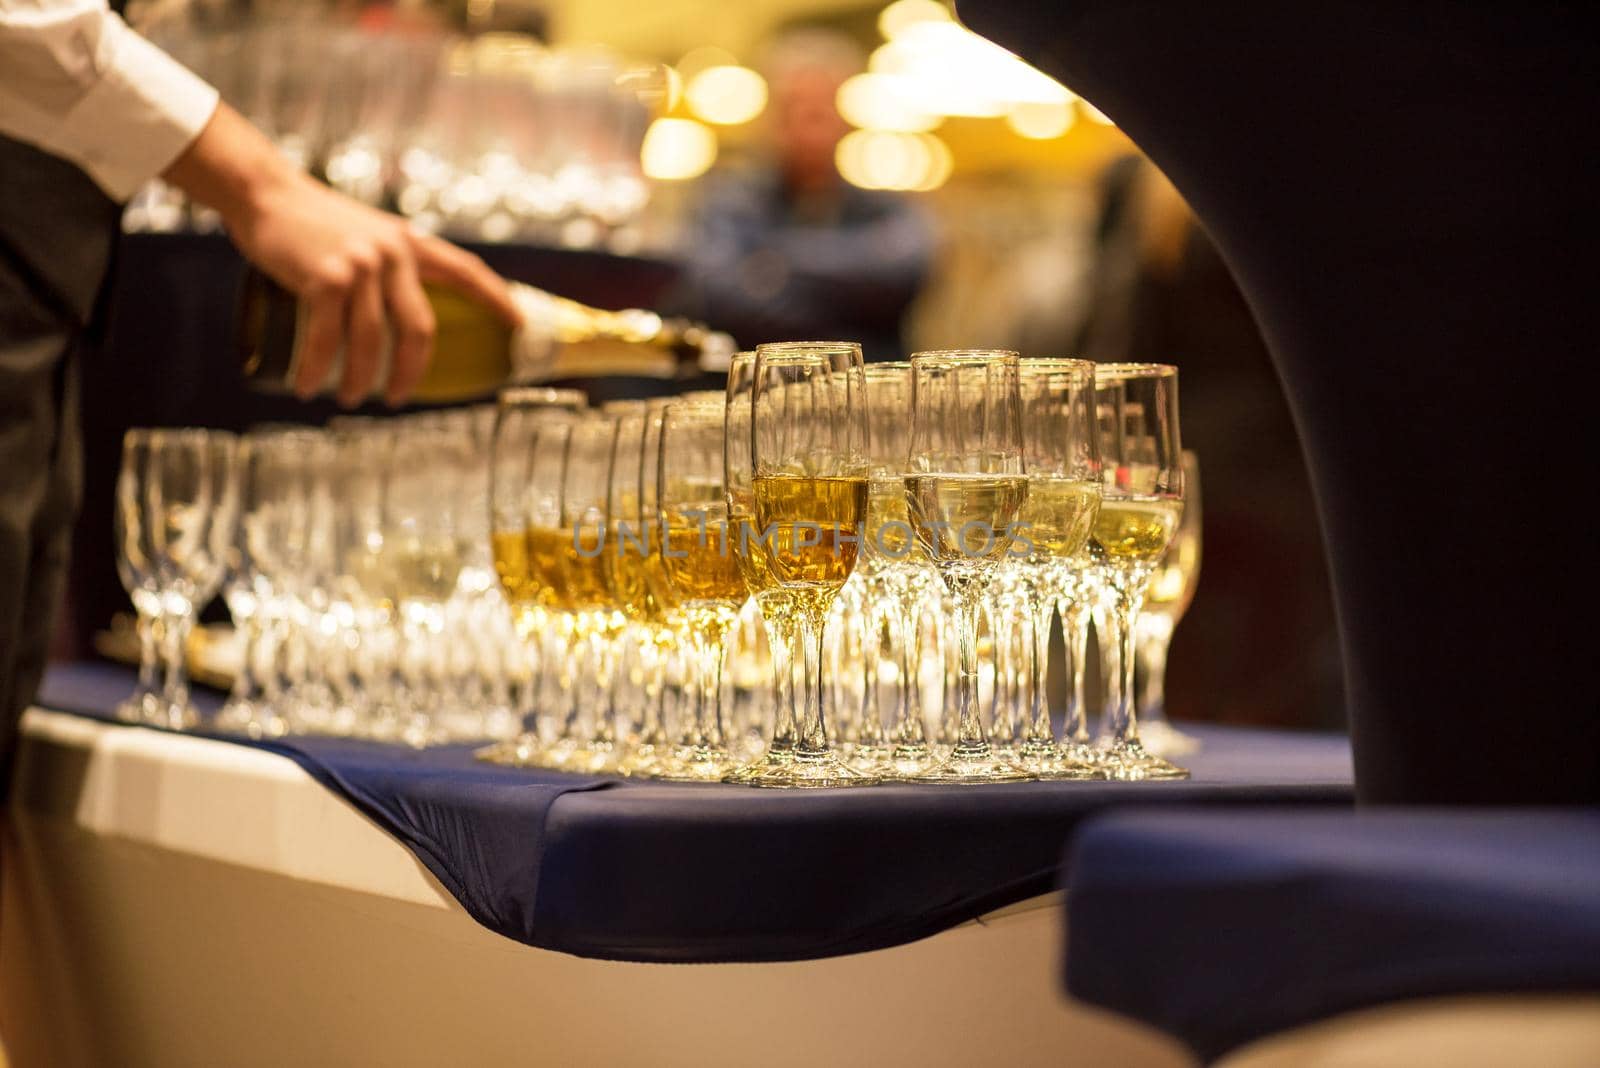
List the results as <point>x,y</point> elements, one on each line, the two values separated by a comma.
<point>359,271</point>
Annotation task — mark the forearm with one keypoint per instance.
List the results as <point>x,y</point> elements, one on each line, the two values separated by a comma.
<point>232,167</point>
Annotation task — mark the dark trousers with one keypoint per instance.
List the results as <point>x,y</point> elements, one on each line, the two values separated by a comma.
<point>56,236</point>
<point>40,485</point>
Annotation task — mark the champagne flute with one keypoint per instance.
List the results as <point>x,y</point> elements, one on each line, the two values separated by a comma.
<point>188,508</point>
<point>546,540</point>
<point>513,444</point>
<point>583,552</point>
<point>1141,506</point>
<point>1171,589</point>
<point>700,560</point>
<point>663,613</point>
<point>136,569</point>
<point>1063,462</point>
<point>778,604</point>
<point>810,459</point>
<point>965,489</point>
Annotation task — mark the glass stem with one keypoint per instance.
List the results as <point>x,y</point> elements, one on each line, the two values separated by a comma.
<point>146,626</point>
<point>781,633</point>
<point>869,731</point>
<point>1044,611</point>
<point>970,741</point>
<point>1129,603</point>
<point>813,739</point>
<point>175,685</point>
<point>1075,632</point>
<point>244,682</point>
<point>711,730</point>
<point>912,734</point>
<point>1155,638</point>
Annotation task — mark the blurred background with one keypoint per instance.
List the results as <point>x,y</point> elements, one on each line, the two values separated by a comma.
<point>781,169</point>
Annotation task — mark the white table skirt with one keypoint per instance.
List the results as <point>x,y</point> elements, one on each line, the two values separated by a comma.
<point>177,901</point>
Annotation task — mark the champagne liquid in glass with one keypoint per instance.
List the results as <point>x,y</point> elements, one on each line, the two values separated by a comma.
<point>965,520</point>
<point>1134,530</point>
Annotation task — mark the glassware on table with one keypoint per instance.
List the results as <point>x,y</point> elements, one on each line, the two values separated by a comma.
<point>810,459</point>
<point>136,569</point>
<point>1064,493</point>
<point>1140,510</point>
<point>665,620</point>
<point>896,575</point>
<point>423,507</point>
<point>548,737</point>
<point>589,744</point>
<point>699,557</point>
<point>188,509</point>
<point>778,605</point>
<point>965,489</point>
<point>514,442</point>
<point>1170,592</point>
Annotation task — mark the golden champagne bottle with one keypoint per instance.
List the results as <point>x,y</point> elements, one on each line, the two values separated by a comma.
<point>476,352</point>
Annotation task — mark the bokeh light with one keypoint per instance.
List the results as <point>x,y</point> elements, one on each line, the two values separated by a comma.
<point>675,150</point>
<point>888,159</point>
<point>1041,121</point>
<point>880,102</point>
<point>726,95</point>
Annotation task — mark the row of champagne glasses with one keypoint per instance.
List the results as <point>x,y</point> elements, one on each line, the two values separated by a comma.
<point>627,543</point>
<point>776,492</point>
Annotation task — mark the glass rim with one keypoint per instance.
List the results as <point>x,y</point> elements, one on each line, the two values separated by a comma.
<point>1135,370</point>
<point>888,365</point>
<point>798,347</point>
<point>964,357</point>
<point>523,396</point>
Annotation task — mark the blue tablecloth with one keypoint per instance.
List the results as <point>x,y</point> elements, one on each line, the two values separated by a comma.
<point>687,873</point>
<point>1223,926</point>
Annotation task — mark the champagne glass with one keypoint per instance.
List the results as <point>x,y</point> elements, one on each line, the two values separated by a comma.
<point>247,593</point>
<point>700,560</point>
<point>1170,591</point>
<point>965,489</point>
<point>811,461</point>
<point>546,464</point>
<point>422,543</point>
<point>519,410</point>
<point>584,548</point>
<point>1141,506</point>
<point>623,567</point>
<point>1063,462</point>
<point>778,604</point>
<point>136,569</point>
<point>188,507</point>
<point>663,613</point>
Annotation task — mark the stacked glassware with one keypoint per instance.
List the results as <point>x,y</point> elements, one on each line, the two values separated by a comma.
<point>832,574</point>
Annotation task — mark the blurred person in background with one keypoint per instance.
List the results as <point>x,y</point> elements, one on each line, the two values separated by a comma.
<point>783,247</point>
<point>89,112</point>
<point>1259,642</point>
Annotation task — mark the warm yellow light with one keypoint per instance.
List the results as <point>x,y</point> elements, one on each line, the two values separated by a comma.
<point>940,163</point>
<point>882,102</point>
<point>1041,122</point>
<point>894,19</point>
<point>677,149</point>
<point>726,95</point>
<point>886,159</point>
<point>1095,114</point>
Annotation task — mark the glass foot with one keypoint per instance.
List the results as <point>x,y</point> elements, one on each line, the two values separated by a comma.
<point>814,771</point>
<point>768,763</point>
<point>1052,762</point>
<point>973,768</point>
<point>699,764</point>
<point>596,758</point>
<point>1132,763</point>
<point>645,762</point>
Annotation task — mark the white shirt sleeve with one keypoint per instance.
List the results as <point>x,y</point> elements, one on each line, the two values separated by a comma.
<point>78,83</point>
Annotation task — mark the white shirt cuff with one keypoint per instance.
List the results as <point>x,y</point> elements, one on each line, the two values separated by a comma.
<point>144,111</point>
